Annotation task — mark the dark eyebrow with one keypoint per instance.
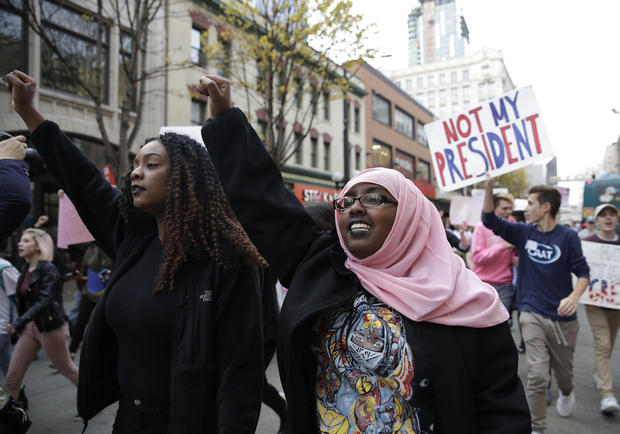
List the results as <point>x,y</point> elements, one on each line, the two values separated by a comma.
<point>147,155</point>
<point>375,189</point>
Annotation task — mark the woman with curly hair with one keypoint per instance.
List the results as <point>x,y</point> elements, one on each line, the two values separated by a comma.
<point>41,321</point>
<point>176,337</point>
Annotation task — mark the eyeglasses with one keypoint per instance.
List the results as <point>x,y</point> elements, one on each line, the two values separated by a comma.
<point>368,200</point>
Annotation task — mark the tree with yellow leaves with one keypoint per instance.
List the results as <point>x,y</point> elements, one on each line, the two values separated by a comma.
<point>280,53</point>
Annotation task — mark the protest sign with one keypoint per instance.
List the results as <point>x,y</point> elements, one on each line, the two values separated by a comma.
<point>465,209</point>
<point>604,289</point>
<point>71,229</point>
<point>498,137</point>
<point>193,132</point>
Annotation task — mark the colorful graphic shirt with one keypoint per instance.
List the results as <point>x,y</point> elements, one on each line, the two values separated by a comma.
<point>365,370</point>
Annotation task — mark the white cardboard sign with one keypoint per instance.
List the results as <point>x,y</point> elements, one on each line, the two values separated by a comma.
<point>604,289</point>
<point>497,136</point>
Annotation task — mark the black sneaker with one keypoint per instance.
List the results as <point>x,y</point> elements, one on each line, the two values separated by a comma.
<point>22,397</point>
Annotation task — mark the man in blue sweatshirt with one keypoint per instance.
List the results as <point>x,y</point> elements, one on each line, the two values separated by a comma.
<point>548,254</point>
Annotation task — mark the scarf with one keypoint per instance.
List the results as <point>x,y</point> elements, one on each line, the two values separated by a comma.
<point>415,271</point>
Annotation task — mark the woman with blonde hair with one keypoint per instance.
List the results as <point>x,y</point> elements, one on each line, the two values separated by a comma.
<point>41,321</point>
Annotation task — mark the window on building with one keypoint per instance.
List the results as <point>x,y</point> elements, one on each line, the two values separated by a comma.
<point>466,94</point>
<point>398,84</point>
<point>299,149</point>
<point>421,134</point>
<point>326,155</point>
<point>381,154</point>
<point>74,34</point>
<point>466,75</point>
<point>485,70</point>
<point>356,124</point>
<point>197,53</point>
<point>419,96</point>
<point>442,78</point>
<point>13,31</point>
<point>126,89</point>
<point>314,96</point>
<point>358,160</point>
<point>454,94</point>
<point>408,85</point>
<point>430,80</point>
<point>491,89</point>
<point>381,110</point>
<point>404,122</point>
<point>482,91</point>
<point>423,171</point>
<point>224,57</point>
<point>299,93</point>
<point>453,77</point>
<point>326,106</point>
<point>420,82</point>
<point>431,96</point>
<point>314,150</point>
<point>197,115</point>
<point>443,97</point>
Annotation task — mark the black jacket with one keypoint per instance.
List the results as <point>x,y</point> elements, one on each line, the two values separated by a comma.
<point>217,367</point>
<point>470,373</point>
<point>15,195</point>
<point>42,302</point>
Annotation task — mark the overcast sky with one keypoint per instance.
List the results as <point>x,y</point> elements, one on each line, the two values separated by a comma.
<point>567,50</point>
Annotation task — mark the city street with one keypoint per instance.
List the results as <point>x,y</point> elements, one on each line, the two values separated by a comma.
<point>52,397</point>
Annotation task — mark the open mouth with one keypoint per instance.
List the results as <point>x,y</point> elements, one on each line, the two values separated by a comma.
<point>359,228</point>
<point>135,189</point>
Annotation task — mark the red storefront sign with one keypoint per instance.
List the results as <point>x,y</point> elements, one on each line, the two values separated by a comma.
<point>312,193</point>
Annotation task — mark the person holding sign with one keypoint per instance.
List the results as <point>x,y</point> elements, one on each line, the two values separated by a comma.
<point>604,321</point>
<point>383,328</point>
<point>176,336</point>
<point>492,256</point>
<point>548,254</point>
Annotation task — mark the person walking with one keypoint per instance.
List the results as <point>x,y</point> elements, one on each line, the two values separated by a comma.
<point>492,256</point>
<point>176,336</point>
<point>604,321</point>
<point>383,328</point>
<point>9,275</point>
<point>548,254</point>
<point>41,321</point>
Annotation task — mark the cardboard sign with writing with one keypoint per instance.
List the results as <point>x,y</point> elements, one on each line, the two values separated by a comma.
<point>604,289</point>
<point>465,209</point>
<point>71,229</point>
<point>498,136</point>
<point>193,132</point>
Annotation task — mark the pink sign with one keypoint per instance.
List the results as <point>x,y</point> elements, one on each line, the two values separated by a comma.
<point>71,229</point>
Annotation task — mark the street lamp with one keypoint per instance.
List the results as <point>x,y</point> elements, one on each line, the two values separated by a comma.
<point>337,177</point>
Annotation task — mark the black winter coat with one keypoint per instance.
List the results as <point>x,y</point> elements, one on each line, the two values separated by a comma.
<point>217,362</point>
<point>42,302</point>
<point>471,373</point>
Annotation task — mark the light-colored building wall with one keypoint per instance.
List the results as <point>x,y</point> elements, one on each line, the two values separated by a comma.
<point>449,87</point>
<point>185,15</point>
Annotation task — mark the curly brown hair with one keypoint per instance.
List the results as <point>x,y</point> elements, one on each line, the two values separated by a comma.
<point>198,214</point>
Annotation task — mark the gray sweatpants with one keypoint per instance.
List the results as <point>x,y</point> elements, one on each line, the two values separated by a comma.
<point>548,343</point>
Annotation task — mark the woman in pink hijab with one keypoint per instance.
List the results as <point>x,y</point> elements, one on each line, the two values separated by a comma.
<point>383,328</point>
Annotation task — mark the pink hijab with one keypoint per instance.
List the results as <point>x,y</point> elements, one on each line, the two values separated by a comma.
<point>415,271</point>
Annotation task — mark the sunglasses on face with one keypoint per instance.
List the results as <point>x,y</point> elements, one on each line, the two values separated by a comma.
<point>368,200</point>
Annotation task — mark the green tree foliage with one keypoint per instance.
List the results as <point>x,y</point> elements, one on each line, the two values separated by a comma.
<point>516,182</point>
<point>279,52</point>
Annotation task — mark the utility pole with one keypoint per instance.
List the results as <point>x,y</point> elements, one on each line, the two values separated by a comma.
<point>345,132</point>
